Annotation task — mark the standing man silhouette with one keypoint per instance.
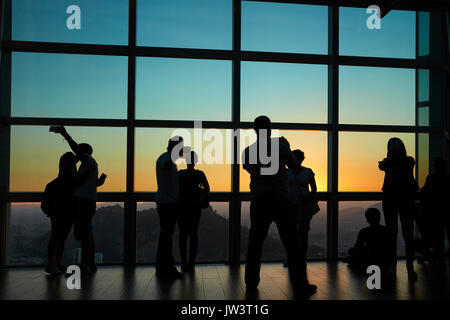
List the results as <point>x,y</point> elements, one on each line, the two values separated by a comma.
<point>167,201</point>
<point>85,194</point>
<point>270,203</point>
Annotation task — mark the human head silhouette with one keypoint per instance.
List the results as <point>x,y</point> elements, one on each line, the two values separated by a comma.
<point>86,148</point>
<point>67,163</point>
<point>191,159</point>
<point>373,216</point>
<point>396,149</point>
<point>262,125</point>
<point>299,155</point>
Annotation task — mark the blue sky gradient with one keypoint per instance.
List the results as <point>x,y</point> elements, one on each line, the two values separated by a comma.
<point>102,21</point>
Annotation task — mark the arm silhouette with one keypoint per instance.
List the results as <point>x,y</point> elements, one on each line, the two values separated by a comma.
<point>73,145</point>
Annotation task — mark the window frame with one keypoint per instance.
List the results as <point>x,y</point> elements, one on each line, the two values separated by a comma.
<point>130,198</point>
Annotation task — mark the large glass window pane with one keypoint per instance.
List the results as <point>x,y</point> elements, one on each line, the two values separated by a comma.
<point>317,240</point>
<point>278,27</point>
<point>212,232</point>
<point>205,24</point>
<point>285,92</point>
<point>212,146</point>
<point>312,143</point>
<point>273,249</point>
<point>352,219</point>
<point>107,226</point>
<point>424,84</point>
<point>382,96</point>
<point>68,86</point>
<point>359,153</point>
<point>35,154</point>
<point>423,33</point>
<point>423,114</point>
<point>183,89</point>
<point>30,230</point>
<point>82,21</point>
<point>396,37</point>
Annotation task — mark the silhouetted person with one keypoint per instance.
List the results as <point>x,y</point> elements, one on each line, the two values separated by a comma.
<point>435,205</point>
<point>194,189</point>
<point>270,203</point>
<point>167,201</point>
<point>372,245</point>
<point>58,205</point>
<point>399,191</point>
<point>85,194</point>
<point>303,190</point>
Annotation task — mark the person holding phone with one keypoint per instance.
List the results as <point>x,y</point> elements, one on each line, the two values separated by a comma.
<point>85,198</point>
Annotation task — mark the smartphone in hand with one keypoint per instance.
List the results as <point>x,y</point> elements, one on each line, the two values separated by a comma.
<point>103,176</point>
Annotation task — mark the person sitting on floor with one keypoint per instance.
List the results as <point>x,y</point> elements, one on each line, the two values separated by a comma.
<point>372,244</point>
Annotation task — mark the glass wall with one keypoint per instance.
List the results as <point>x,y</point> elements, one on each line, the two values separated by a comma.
<point>30,231</point>
<point>83,21</point>
<point>368,95</point>
<point>273,249</point>
<point>284,92</point>
<point>396,37</point>
<point>282,27</point>
<point>68,86</point>
<point>359,154</point>
<point>352,220</point>
<point>183,89</point>
<point>212,233</point>
<point>212,147</point>
<point>35,154</point>
<point>127,99</point>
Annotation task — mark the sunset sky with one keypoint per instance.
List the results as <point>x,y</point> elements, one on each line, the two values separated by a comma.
<point>85,86</point>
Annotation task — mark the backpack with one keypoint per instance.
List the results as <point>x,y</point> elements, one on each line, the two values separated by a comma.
<point>50,198</point>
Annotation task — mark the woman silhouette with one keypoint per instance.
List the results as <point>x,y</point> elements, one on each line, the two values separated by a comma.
<point>194,189</point>
<point>303,190</point>
<point>57,204</point>
<point>399,191</point>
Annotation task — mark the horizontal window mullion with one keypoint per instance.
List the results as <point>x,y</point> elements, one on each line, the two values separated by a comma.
<point>70,48</point>
<point>384,128</point>
<point>120,50</point>
<point>67,122</point>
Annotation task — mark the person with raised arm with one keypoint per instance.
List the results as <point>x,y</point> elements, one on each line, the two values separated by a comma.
<point>85,199</point>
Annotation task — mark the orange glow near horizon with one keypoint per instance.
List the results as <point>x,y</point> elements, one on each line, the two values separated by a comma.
<point>152,142</point>
<point>35,153</point>
<point>359,153</point>
<point>312,143</point>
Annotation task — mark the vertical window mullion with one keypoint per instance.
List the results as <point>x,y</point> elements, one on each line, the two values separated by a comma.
<point>130,203</point>
<point>333,135</point>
